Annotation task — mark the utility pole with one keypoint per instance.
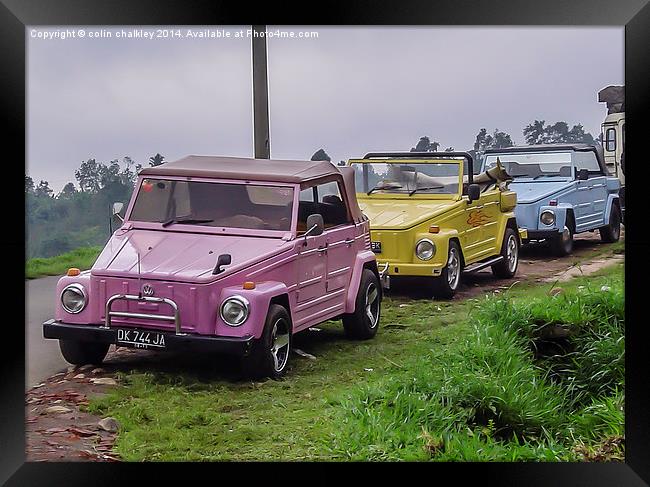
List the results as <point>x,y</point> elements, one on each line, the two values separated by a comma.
<point>261,132</point>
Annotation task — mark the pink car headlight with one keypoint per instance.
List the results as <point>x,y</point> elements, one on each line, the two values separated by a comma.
<point>235,310</point>
<point>73,298</point>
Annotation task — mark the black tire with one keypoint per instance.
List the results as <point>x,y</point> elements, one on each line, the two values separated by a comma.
<point>562,244</point>
<point>621,202</point>
<point>507,268</point>
<point>264,360</point>
<point>612,232</point>
<point>446,285</point>
<point>364,322</point>
<point>82,353</point>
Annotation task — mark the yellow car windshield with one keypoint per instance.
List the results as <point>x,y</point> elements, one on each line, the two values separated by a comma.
<point>404,177</point>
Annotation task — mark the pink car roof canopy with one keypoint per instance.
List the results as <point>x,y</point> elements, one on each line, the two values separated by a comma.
<point>271,170</point>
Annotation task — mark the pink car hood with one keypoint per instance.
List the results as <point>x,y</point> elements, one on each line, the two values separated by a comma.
<point>178,256</point>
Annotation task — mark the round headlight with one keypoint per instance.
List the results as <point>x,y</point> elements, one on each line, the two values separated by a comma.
<point>547,217</point>
<point>234,310</point>
<point>73,298</point>
<point>425,249</point>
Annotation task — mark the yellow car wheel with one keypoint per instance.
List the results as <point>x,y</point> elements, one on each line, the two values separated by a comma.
<point>507,268</point>
<point>446,285</point>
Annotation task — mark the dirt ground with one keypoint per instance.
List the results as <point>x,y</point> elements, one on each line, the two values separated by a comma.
<point>58,430</point>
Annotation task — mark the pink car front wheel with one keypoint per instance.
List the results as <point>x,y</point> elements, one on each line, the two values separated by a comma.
<point>269,356</point>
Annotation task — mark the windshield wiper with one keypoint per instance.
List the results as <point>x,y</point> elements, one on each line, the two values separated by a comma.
<point>425,188</point>
<point>540,175</point>
<point>385,187</point>
<point>187,221</point>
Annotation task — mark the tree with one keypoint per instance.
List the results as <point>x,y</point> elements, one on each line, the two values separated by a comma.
<point>321,155</point>
<point>89,176</point>
<point>425,145</point>
<point>43,189</point>
<point>496,140</point>
<point>156,160</point>
<point>535,133</point>
<point>539,133</point>
<point>110,174</point>
<point>29,185</point>
<point>128,176</point>
<point>68,191</point>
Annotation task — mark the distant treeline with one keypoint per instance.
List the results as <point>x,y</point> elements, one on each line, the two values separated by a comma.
<point>78,216</point>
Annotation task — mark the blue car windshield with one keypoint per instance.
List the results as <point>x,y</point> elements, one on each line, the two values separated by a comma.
<point>533,165</point>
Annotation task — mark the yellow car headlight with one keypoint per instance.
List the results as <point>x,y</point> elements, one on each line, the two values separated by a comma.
<point>425,249</point>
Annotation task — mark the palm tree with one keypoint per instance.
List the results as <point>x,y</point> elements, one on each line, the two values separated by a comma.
<point>156,160</point>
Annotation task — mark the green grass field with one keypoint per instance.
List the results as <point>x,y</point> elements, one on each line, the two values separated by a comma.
<point>480,379</point>
<point>82,258</point>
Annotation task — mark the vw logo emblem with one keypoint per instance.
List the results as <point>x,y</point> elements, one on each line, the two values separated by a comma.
<point>147,290</point>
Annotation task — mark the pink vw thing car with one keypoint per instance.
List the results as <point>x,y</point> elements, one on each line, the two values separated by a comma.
<point>222,254</point>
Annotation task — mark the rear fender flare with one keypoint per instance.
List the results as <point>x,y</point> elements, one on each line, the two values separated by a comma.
<point>612,199</point>
<point>364,259</point>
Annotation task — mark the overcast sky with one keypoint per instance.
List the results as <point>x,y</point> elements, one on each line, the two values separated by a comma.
<point>349,91</point>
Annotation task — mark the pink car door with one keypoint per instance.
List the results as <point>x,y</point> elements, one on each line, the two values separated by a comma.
<point>311,268</point>
<point>341,233</point>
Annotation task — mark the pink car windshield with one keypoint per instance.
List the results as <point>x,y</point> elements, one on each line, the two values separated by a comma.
<point>229,205</point>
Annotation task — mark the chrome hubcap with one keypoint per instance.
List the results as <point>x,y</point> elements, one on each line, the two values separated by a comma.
<point>512,253</point>
<point>453,268</point>
<point>372,304</point>
<point>280,344</point>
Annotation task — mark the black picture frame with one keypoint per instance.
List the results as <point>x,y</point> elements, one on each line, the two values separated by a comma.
<point>634,15</point>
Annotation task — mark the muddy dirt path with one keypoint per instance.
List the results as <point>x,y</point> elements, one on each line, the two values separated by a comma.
<point>57,429</point>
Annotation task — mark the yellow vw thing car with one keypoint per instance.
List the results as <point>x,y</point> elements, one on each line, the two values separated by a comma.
<point>431,216</point>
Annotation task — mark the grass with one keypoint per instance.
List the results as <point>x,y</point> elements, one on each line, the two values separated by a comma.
<point>441,381</point>
<point>82,258</point>
<point>536,378</point>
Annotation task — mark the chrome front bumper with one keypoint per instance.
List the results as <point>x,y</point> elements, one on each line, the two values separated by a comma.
<point>144,316</point>
<point>384,278</point>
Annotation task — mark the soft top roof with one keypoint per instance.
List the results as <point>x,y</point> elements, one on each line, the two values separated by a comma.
<point>554,147</point>
<point>275,170</point>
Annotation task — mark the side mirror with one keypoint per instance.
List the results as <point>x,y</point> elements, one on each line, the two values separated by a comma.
<point>583,174</point>
<point>118,206</point>
<point>315,225</point>
<point>116,218</point>
<point>473,192</point>
<point>223,259</point>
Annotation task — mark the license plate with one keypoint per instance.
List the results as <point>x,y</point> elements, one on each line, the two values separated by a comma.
<point>376,247</point>
<point>140,339</point>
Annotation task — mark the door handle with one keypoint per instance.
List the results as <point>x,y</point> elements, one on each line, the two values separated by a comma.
<point>322,250</point>
<point>349,242</point>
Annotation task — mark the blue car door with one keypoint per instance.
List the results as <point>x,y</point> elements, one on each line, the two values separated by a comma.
<point>592,193</point>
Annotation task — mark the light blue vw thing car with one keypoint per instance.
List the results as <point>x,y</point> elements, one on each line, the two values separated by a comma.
<point>562,189</point>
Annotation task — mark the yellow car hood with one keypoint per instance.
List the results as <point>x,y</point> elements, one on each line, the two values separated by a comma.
<point>396,214</point>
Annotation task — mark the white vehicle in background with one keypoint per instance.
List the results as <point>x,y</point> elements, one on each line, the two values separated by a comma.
<point>613,135</point>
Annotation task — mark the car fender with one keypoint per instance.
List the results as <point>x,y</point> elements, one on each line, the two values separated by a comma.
<point>441,240</point>
<point>362,258</point>
<point>259,300</point>
<point>560,211</point>
<point>504,222</point>
<point>611,199</point>
<point>90,314</point>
